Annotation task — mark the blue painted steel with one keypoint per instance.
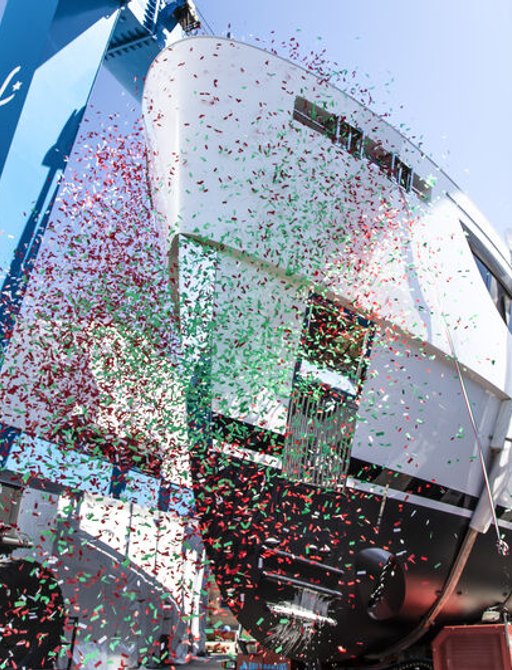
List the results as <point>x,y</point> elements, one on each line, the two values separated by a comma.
<point>50,54</point>
<point>138,39</point>
<point>59,53</point>
<point>54,48</point>
<point>167,18</point>
<point>7,437</point>
<point>23,34</point>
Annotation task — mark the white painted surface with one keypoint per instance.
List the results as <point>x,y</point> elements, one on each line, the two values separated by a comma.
<point>231,168</point>
<point>219,123</point>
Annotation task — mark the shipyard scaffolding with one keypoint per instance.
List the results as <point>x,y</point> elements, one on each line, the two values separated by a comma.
<point>96,509</point>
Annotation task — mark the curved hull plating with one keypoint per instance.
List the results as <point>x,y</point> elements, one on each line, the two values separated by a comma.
<point>299,566</point>
<point>345,398</point>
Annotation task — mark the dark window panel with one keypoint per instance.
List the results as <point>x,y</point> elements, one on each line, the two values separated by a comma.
<point>376,153</point>
<point>335,339</point>
<point>354,141</point>
<point>484,272</point>
<point>315,117</point>
<point>421,187</point>
<point>498,293</point>
<point>402,174</point>
<point>351,138</point>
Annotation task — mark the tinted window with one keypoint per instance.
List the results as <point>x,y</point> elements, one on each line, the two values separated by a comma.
<point>336,341</point>
<point>315,117</point>
<point>497,291</point>
<point>350,138</point>
<point>356,143</point>
<point>376,153</point>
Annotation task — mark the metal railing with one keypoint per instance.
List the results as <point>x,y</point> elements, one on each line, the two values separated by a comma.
<point>319,436</point>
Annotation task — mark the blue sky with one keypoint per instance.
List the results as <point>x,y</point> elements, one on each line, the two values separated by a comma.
<point>441,69</point>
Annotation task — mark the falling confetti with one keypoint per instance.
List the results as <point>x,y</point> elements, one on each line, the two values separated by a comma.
<point>253,307</point>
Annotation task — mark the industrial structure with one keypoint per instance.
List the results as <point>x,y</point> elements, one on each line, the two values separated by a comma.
<point>112,532</point>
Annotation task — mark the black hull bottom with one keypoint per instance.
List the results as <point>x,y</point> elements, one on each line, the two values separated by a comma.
<point>333,577</point>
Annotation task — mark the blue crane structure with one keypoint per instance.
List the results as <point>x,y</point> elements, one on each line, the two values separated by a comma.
<point>52,54</point>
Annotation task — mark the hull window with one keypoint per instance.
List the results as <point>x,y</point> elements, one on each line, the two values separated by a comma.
<point>315,117</point>
<point>494,274</point>
<point>350,138</point>
<point>421,187</point>
<point>325,395</point>
<point>337,129</point>
<point>402,173</point>
<point>375,153</point>
<point>498,293</point>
